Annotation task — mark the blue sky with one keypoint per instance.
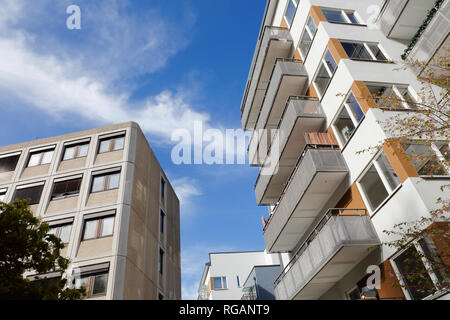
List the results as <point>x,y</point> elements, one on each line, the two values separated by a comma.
<point>163,64</point>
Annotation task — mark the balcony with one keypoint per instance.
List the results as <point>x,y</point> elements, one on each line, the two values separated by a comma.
<point>316,176</point>
<point>302,115</point>
<point>434,40</point>
<point>338,243</point>
<point>400,19</point>
<point>275,43</point>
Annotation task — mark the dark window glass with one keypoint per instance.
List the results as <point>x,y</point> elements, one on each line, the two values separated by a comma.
<point>161,222</point>
<point>344,125</point>
<point>374,188</point>
<point>163,187</point>
<point>161,261</point>
<point>417,280</point>
<point>356,51</point>
<point>66,188</point>
<point>334,16</point>
<point>9,163</point>
<point>100,284</point>
<point>33,194</point>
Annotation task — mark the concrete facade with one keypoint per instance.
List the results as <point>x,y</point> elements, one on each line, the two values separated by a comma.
<point>129,253</point>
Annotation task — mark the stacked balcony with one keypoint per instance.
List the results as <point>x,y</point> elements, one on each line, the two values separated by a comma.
<point>301,115</point>
<point>338,243</point>
<point>400,19</point>
<point>317,174</point>
<point>274,43</point>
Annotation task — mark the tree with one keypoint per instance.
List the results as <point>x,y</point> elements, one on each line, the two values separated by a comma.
<point>27,245</point>
<point>414,135</point>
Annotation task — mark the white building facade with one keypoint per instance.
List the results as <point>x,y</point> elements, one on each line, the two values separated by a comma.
<point>315,64</point>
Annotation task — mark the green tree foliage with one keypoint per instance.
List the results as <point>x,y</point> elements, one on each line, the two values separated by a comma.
<point>26,245</point>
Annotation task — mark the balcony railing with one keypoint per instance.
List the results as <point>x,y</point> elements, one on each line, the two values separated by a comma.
<point>338,228</point>
<point>263,61</point>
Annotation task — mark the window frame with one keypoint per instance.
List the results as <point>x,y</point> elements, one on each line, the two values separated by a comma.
<point>59,227</point>
<point>106,181</point>
<point>396,89</point>
<point>112,143</point>
<point>8,156</point>
<point>390,191</point>
<point>162,190</point>
<point>310,34</point>
<point>356,124</point>
<point>52,195</point>
<point>426,263</point>
<point>344,13</point>
<point>22,187</point>
<point>41,157</point>
<point>295,3</point>
<point>76,154</point>
<point>440,157</point>
<point>162,221</point>
<point>3,194</point>
<point>161,261</point>
<point>91,282</point>
<point>331,74</point>
<point>98,227</point>
<point>368,49</point>
<point>222,287</point>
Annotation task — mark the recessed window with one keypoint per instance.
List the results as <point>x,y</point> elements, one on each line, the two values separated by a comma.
<point>348,119</point>
<point>162,217</point>
<point>340,16</point>
<point>290,11</point>
<point>326,71</point>
<point>161,261</point>
<point>40,158</point>
<point>418,269</point>
<point>62,231</point>
<point>429,159</point>
<point>111,144</point>
<point>163,189</point>
<point>238,281</point>
<point>31,194</point>
<point>392,96</point>
<point>378,182</point>
<point>9,163</point>
<point>307,38</point>
<point>76,151</point>
<point>98,227</point>
<point>220,283</point>
<point>95,283</point>
<point>66,189</point>
<point>363,51</point>
<point>104,182</point>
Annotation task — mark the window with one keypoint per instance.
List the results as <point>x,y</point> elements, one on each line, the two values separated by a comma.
<point>363,51</point>
<point>40,158</point>
<point>111,144</point>
<point>392,96</point>
<point>9,163</point>
<point>238,281</point>
<point>76,151</point>
<point>162,216</point>
<point>98,227</point>
<point>2,195</point>
<point>378,182</point>
<point>62,231</point>
<point>354,294</point>
<point>340,16</point>
<point>290,11</point>
<point>105,182</point>
<point>95,283</point>
<point>161,261</point>
<point>220,283</point>
<point>326,71</point>
<point>433,159</point>
<point>418,268</point>
<point>307,38</point>
<point>32,194</point>
<point>160,296</point>
<point>163,190</point>
<point>348,119</point>
<point>66,189</point>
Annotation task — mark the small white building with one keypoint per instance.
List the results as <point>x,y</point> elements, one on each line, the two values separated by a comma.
<point>224,275</point>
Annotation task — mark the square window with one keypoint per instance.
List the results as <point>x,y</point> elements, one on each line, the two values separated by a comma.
<point>373,187</point>
<point>107,226</point>
<point>32,194</point>
<point>8,164</point>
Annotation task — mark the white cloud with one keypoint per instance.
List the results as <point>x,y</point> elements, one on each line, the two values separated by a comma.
<point>186,188</point>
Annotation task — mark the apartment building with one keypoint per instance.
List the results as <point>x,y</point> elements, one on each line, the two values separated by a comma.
<point>226,273</point>
<point>103,192</point>
<point>315,64</point>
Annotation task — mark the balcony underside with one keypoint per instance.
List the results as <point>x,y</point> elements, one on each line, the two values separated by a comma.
<point>402,18</point>
<point>333,251</point>
<point>301,117</point>
<point>276,43</point>
<point>313,183</point>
